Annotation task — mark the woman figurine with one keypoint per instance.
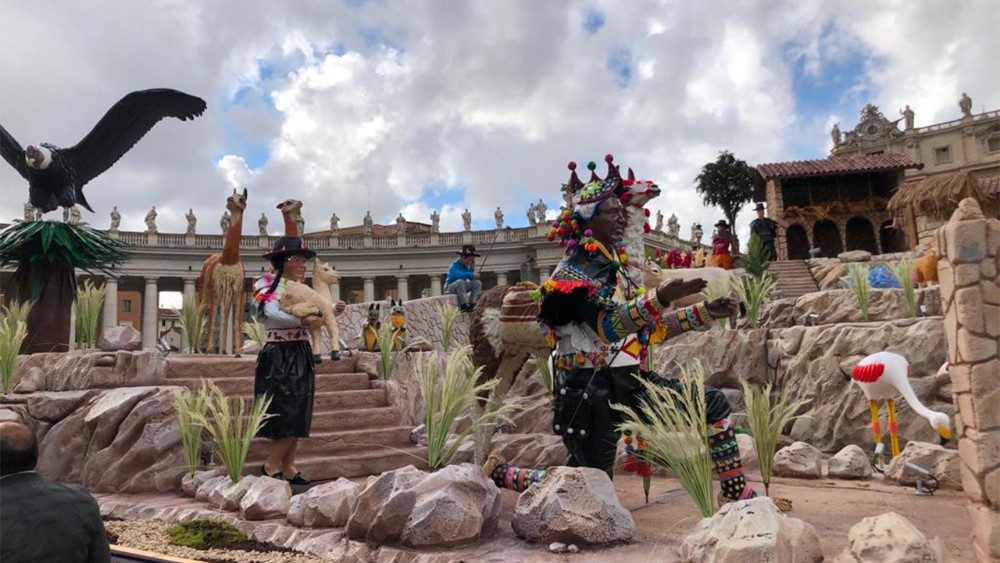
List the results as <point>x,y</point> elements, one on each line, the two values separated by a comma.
<point>721,243</point>
<point>285,370</point>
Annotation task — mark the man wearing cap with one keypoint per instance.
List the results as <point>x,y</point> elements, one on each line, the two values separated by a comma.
<point>463,279</point>
<point>285,366</point>
<point>767,230</point>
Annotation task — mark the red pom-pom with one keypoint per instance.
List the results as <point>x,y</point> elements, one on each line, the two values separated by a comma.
<point>628,466</point>
<point>645,228</point>
<point>643,469</point>
<point>571,165</point>
<point>646,211</point>
<point>608,158</point>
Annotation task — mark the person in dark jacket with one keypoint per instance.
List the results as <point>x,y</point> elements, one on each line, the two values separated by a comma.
<point>39,520</point>
<point>767,230</point>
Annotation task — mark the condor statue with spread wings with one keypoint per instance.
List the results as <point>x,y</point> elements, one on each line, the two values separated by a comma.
<point>56,176</point>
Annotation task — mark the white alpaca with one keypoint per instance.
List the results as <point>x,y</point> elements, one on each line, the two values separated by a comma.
<point>880,376</point>
<point>301,300</point>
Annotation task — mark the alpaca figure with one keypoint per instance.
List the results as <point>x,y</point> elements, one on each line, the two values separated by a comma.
<point>291,213</point>
<point>397,318</point>
<point>368,337</point>
<point>221,284</point>
<point>880,376</point>
<point>925,273</point>
<point>301,300</point>
<point>502,343</point>
<point>653,275</point>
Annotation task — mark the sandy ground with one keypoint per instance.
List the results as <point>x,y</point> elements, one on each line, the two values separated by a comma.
<point>831,506</point>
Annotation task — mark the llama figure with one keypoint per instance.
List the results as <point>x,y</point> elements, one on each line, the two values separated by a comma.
<point>291,214</point>
<point>221,284</point>
<point>301,300</point>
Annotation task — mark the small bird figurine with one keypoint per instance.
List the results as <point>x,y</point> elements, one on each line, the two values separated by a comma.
<point>880,376</point>
<point>56,176</point>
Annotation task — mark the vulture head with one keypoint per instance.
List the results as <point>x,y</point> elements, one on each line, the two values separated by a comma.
<point>237,202</point>
<point>38,157</point>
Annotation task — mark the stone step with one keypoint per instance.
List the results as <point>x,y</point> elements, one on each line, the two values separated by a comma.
<point>243,385</point>
<point>354,419</point>
<point>345,400</point>
<point>342,442</point>
<point>359,464</point>
<point>188,366</point>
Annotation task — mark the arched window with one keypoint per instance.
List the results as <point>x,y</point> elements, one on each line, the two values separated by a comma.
<point>860,235</point>
<point>797,242</point>
<point>892,239</point>
<point>827,238</point>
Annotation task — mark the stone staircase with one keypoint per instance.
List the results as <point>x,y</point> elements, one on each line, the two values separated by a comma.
<point>355,431</point>
<point>793,277</point>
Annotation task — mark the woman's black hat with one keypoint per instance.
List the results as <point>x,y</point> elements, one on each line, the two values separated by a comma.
<point>286,247</point>
<point>467,250</point>
<point>722,223</point>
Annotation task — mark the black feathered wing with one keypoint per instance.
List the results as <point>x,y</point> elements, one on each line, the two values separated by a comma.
<point>122,127</point>
<point>13,153</point>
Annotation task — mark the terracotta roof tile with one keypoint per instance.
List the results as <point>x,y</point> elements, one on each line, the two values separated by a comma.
<point>832,166</point>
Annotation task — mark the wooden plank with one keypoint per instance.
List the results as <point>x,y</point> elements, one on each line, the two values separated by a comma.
<point>120,553</point>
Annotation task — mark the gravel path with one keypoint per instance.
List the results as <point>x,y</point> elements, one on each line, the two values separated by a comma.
<point>151,535</point>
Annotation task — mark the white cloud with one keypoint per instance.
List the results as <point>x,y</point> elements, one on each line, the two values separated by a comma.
<point>490,98</point>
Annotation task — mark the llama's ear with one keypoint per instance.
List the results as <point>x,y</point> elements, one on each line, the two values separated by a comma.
<point>244,193</point>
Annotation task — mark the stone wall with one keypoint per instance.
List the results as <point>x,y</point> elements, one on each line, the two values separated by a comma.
<point>421,321</point>
<point>970,292</point>
<point>840,306</point>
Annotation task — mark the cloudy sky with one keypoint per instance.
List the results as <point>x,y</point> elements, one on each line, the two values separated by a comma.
<point>392,106</point>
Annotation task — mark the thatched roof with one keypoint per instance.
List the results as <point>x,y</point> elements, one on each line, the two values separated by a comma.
<point>941,193</point>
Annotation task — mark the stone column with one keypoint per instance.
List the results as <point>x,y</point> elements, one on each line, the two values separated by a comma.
<point>110,302</point>
<point>150,306</point>
<point>435,285</point>
<point>970,295</point>
<point>501,278</point>
<point>403,287</point>
<point>189,288</point>
<point>369,282</point>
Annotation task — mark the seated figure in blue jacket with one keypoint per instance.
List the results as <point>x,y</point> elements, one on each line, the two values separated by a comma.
<point>463,280</point>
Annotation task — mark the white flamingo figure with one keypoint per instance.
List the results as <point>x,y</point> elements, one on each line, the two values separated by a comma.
<point>880,376</point>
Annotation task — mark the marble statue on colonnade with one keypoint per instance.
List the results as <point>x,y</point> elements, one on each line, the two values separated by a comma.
<point>659,221</point>
<point>151,220</point>
<point>116,219</point>
<point>467,220</point>
<point>498,217</point>
<point>262,224</point>
<point>532,220</point>
<point>673,226</point>
<point>368,222</point>
<point>334,224</point>
<point>435,222</point>
<point>224,221</point>
<point>192,221</point>
<point>540,210</point>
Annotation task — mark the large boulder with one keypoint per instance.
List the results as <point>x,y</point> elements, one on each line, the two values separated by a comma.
<point>324,506</point>
<point>889,538</point>
<point>230,496</point>
<point>726,355</point>
<point>267,498</point>
<point>815,364</point>
<point>528,450</point>
<point>452,506</point>
<point>573,505</point>
<point>944,465</point>
<point>855,256</point>
<point>210,485</point>
<point>192,481</point>
<point>849,463</point>
<point>841,306</point>
<point>87,369</point>
<point>123,440</point>
<point>120,338</point>
<point>751,530</point>
<point>799,460</point>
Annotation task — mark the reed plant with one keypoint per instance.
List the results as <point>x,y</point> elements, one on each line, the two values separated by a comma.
<point>768,413</point>
<point>388,356</point>
<point>857,281</point>
<point>13,331</point>
<point>193,319</point>
<point>191,407</point>
<point>717,289</point>
<point>756,260</point>
<point>674,426</point>
<point>447,315</point>
<point>87,308</point>
<point>449,396</point>
<point>903,272</point>
<point>753,291</point>
<point>232,425</point>
<point>255,331</point>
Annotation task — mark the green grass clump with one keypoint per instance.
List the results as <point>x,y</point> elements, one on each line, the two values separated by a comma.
<point>447,315</point>
<point>449,397</point>
<point>193,318</point>
<point>192,408</point>
<point>903,272</point>
<point>87,308</point>
<point>204,533</point>
<point>857,280</point>
<point>255,331</point>
<point>717,289</point>
<point>13,331</point>
<point>232,425</point>
<point>676,432</point>
<point>767,415</point>
<point>753,291</point>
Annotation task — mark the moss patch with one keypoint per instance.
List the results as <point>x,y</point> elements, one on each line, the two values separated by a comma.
<point>205,534</point>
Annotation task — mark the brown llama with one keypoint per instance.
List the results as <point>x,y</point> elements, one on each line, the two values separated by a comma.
<point>291,212</point>
<point>221,284</point>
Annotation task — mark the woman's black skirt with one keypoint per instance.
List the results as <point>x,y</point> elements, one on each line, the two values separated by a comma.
<point>285,372</point>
